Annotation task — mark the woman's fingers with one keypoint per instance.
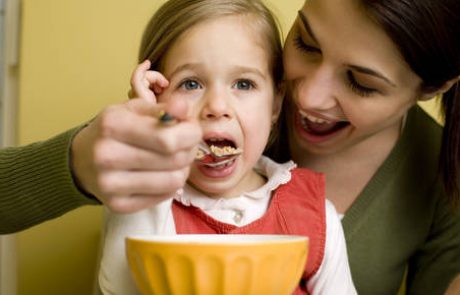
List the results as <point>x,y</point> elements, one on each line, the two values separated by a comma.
<point>110,154</point>
<point>131,183</point>
<point>137,123</point>
<point>126,156</point>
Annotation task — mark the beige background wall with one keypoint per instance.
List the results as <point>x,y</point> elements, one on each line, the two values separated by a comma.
<point>76,56</point>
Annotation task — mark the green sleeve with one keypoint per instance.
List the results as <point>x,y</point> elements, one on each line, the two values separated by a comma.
<point>36,183</point>
<point>437,261</point>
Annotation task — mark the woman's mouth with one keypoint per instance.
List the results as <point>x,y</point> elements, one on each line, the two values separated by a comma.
<point>320,126</point>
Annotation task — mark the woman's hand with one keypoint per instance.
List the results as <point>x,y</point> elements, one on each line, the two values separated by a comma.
<point>126,157</point>
<point>130,161</point>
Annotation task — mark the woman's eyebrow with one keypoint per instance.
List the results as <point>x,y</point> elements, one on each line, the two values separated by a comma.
<point>306,25</point>
<point>371,72</point>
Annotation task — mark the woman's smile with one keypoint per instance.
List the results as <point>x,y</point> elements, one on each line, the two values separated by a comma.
<point>318,130</point>
<point>319,125</point>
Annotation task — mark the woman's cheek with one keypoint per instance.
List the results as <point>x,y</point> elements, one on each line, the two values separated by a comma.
<point>292,63</point>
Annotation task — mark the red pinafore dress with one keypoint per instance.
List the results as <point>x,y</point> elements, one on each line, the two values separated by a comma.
<point>296,208</point>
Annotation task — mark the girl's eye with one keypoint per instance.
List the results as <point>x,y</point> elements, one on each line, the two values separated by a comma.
<point>357,87</point>
<point>190,84</point>
<point>299,44</point>
<point>244,85</point>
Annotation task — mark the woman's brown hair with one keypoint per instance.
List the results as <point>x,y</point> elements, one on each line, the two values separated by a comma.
<point>427,33</point>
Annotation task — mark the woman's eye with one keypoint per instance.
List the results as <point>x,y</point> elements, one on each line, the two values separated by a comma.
<point>190,85</point>
<point>357,87</point>
<point>301,45</point>
<point>244,85</point>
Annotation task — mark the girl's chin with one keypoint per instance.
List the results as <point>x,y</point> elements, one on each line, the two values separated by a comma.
<point>213,189</point>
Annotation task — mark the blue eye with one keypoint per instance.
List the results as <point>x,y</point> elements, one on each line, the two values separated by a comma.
<point>357,87</point>
<point>190,84</point>
<point>244,85</point>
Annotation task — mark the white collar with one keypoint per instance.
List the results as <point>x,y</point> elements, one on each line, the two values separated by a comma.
<point>277,174</point>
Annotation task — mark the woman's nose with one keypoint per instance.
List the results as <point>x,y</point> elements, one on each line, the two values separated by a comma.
<point>216,104</point>
<point>316,90</point>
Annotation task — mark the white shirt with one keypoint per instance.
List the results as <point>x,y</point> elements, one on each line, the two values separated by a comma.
<point>333,277</point>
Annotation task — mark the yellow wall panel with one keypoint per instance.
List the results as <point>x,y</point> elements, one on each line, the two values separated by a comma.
<point>76,56</point>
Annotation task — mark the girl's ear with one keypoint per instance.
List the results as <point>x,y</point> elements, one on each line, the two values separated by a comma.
<point>280,91</point>
<point>441,90</point>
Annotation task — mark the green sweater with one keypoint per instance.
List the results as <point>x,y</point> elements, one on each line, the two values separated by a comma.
<point>400,219</point>
<point>36,184</point>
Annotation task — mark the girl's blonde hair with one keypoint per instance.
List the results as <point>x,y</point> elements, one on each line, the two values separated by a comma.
<point>176,16</point>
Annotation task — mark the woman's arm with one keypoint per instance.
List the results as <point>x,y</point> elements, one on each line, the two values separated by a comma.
<point>437,261</point>
<point>36,183</point>
<point>123,159</point>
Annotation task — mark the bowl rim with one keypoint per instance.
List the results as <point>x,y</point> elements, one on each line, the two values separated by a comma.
<point>217,239</point>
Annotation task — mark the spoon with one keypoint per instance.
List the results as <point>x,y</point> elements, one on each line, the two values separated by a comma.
<point>206,154</point>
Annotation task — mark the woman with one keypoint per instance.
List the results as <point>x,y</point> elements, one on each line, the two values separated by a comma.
<point>355,71</point>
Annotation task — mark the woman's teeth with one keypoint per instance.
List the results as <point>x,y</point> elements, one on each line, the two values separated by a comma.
<point>320,126</point>
<point>314,119</point>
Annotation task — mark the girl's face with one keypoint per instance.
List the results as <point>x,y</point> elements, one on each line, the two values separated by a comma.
<point>221,68</point>
<point>347,82</point>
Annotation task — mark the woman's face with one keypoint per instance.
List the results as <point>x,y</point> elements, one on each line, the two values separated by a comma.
<point>347,82</point>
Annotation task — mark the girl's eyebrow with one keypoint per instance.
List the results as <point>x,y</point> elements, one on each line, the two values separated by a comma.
<point>198,66</point>
<point>306,25</point>
<point>249,69</point>
<point>187,66</point>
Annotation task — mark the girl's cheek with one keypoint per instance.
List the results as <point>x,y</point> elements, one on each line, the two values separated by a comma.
<point>195,106</point>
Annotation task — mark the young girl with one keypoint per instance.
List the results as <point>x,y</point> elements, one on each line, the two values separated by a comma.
<point>224,59</point>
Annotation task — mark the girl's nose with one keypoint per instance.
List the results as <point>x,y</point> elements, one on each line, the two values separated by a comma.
<point>216,105</point>
<point>315,91</point>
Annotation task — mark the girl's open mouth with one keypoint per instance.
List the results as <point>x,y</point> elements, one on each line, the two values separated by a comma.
<point>217,153</point>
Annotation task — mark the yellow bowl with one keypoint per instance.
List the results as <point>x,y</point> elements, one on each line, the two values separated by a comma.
<point>217,264</point>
